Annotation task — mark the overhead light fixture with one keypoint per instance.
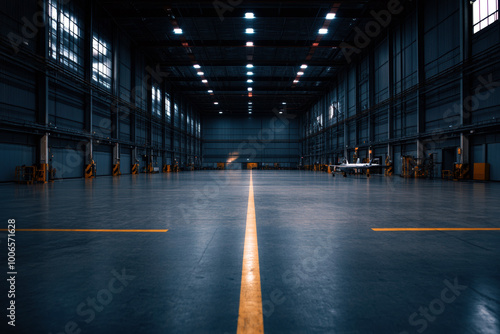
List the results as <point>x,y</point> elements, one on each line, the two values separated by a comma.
<point>250,102</point>
<point>250,89</point>
<point>250,112</point>
<point>250,81</point>
<point>220,112</point>
<point>249,73</point>
<point>216,103</point>
<point>249,43</point>
<point>295,81</point>
<point>204,81</point>
<point>323,31</point>
<point>196,66</point>
<point>200,73</point>
<point>281,112</point>
<point>211,91</point>
<point>300,73</point>
<point>249,66</point>
<point>249,31</point>
<point>178,31</point>
<point>303,66</point>
<point>284,103</point>
<point>249,16</point>
<point>330,16</point>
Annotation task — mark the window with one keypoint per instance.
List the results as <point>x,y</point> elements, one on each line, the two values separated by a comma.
<point>331,111</point>
<point>156,101</point>
<point>65,36</point>
<point>167,107</point>
<point>485,12</point>
<point>101,65</point>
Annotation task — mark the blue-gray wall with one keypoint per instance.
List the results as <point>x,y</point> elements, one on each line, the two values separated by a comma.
<point>265,140</point>
<point>79,110</point>
<point>405,93</point>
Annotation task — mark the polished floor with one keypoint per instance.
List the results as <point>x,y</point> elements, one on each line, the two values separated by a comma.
<point>323,269</point>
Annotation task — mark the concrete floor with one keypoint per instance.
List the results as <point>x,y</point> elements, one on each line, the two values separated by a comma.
<point>322,267</point>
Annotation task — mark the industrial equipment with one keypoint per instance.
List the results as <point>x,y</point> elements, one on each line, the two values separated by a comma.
<point>481,172</point>
<point>34,174</point>
<point>460,172</point>
<point>91,170</point>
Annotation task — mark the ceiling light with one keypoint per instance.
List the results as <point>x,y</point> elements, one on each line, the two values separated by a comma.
<point>249,66</point>
<point>330,16</point>
<point>250,89</point>
<point>300,73</point>
<point>204,81</point>
<point>250,112</point>
<point>281,112</point>
<point>249,73</point>
<point>303,66</point>
<point>220,112</point>
<point>284,103</point>
<point>323,31</point>
<point>249,43</point>
<point>178,31</point>
<point>249,31</point>
<point>295,81</point>
<point>249,16</point>
<point>200,73</point>
<point>216,103</point>
<point>196,66</point>
<point>211,91</point>
<point>250,81</point>
<point>250,102</point>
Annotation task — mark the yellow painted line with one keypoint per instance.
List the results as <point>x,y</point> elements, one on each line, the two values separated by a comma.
<point>436,229</point>
<point>79,230</point>
<point>250,318</point>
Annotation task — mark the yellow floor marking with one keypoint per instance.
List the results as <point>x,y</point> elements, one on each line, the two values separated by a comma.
<point>436,229</point>
<point>77,230</point>
<point>250,319</point>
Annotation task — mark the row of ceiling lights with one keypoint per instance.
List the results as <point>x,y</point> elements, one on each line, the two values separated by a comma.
<point>251,31</point>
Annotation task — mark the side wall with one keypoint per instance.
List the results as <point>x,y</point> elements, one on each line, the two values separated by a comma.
<point>53,111</point>
<point>426,86</point>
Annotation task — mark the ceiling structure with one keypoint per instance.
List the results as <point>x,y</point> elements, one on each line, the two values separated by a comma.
<point>286,38</point>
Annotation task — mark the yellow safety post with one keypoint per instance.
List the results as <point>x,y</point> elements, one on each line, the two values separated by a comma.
<point>90,170</point>
<point>116,170</point>
<point>135,169</point>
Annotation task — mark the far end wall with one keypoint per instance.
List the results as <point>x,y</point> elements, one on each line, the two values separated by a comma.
<point>265,140</point>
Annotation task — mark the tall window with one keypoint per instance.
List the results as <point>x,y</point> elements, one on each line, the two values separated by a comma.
<point>156,101</point>
<point>168,112</point>
<point>101,64</point>
<point>485,12</point>
<point>65,35</point>
<point>331,111</point>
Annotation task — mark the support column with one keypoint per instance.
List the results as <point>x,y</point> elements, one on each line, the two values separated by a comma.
<point>43,97</point>
<point>465,89</point>
<point>420,77</point>
<point>371,97</point>
<point>346,113</point>
<point>88,77</point>
<point>390,111</point>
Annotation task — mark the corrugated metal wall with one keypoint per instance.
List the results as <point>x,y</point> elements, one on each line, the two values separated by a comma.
<point>258,139</point>
<point>76,111</point>
<point>389,111</point>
